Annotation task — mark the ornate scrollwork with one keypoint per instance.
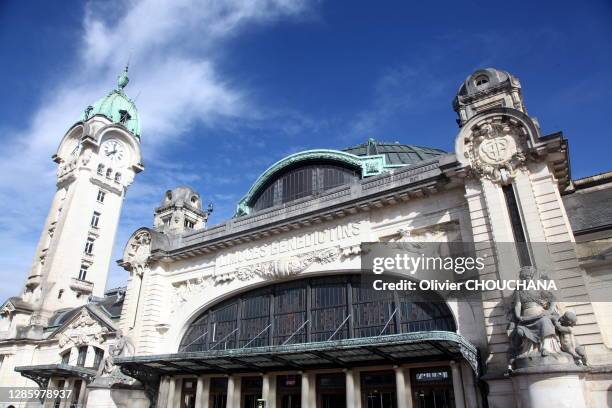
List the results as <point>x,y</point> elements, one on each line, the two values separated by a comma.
<point>148,377</point>
<point>42,381</point>
<point>137,252</point>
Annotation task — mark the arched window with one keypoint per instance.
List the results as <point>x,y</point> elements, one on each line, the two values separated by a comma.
<point>313,310</point>
<point>109,172</point>
<point>302,181</point>
<point>100,169</point>
<point>117,177</point>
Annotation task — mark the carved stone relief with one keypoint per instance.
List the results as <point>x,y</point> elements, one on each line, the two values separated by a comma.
<point>137,253</point>
<point>269,270</point>
<point>83,331</point>
<point>496,150</point>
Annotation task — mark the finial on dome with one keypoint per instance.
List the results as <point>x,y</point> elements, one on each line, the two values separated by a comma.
<point>123,79</point>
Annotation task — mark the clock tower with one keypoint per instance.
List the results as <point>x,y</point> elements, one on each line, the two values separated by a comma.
<point>97,160</point>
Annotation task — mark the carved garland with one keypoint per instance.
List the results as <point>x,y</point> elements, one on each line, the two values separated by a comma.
<point>269,270</point>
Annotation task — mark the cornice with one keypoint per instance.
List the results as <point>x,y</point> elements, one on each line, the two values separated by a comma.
<point>388,189</point>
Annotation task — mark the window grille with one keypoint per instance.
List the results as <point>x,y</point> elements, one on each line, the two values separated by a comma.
<point>312,310</point>
<point>302,182</point>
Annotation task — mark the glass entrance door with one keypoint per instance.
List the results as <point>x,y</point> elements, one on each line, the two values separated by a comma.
<point>289,391</point>
<point>434,398</point>
<point>378,389</point>
<point>331,390</point>
<point>218,393</point>
<point>433,388</point>
<point>332,400</point>
<point>378,399</point>
<point>251,391</point>
<point>291,401</point>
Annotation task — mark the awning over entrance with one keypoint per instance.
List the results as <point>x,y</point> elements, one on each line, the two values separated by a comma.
<point>42,373</point>
<point>390,349</point>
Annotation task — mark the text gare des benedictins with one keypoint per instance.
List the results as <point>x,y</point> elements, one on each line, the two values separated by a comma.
<point>412,264</point>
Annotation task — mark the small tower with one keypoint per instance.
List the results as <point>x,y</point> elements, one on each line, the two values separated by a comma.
<point>487,89</point>
<point>97,160</point>
<point>181,211</point>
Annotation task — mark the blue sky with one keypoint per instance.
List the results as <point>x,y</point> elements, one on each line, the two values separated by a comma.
<point>225,89</point>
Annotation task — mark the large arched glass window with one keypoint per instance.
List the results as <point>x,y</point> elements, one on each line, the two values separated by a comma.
<point>313,310</point>
<point>302,181</point>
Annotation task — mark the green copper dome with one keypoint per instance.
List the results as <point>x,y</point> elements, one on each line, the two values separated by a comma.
<point>117,106</point>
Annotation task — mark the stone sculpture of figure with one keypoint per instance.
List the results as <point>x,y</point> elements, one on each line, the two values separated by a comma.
<point>122,347</point>
<point>564,325</point>
<point>532,329</point>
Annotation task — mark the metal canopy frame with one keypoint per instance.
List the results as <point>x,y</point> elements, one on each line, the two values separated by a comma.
<point>366,351</point>
<point>42,373</point>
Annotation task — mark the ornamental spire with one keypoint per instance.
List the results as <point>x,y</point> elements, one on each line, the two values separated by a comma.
<point>123,79</point>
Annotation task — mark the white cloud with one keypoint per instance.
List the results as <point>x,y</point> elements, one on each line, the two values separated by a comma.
<point>172,46</point>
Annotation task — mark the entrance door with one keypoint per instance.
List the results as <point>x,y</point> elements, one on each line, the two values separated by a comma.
<point>378,389</point>
<point>251,391</point>
<point>380,399</point>
<point>433,388</point>
<point>291,401</point>
<point>331,390</point>
<point>218,393</point>
<point>289,391</point>
<point>188,393</point>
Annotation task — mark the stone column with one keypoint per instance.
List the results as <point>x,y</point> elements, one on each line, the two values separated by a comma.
<point>353,389</point>
<point>82,392</point>
<point>233,391</point>
<point>309,390</point>
<point>457,385</point>
<point>50,401</point>
<point>202,392</point>
<point>162,392</point>
<point>469,388</point>
<point>402,385</point>
<point>74,356</point>
<point>89,356</point>
<point>171,392</point>
<point>268,390</point>
<point>67,386</point>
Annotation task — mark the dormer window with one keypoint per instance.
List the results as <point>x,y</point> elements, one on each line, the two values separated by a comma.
<point>481,81</point>
<point>124,116</point>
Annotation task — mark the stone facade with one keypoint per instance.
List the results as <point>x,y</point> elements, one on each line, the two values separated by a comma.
<point>506,189</point>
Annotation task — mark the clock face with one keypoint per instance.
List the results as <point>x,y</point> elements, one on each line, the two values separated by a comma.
<point>115,151</point>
